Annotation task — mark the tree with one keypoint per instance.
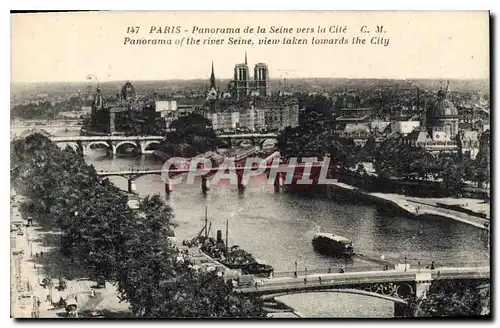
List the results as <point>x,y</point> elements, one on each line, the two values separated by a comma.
<point>131,249</point>
<point>452,299</point>
<point>192,134</point>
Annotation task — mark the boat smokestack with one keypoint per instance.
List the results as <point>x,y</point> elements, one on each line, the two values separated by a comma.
<point>219,237</point>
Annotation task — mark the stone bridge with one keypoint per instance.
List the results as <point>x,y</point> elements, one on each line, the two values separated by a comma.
<point>82,144</point>
<point>255,139</point>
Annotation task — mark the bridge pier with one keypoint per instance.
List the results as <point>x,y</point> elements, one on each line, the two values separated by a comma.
<point>113,150</point>
<point>131,186</point>
<point>205,184</point>
<point>278,181</point>
<point>241,182</point>
<point>168,189</point>
<point>422,283</point>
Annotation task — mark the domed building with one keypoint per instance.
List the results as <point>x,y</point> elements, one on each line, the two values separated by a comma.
<point>128,91</point>
<point>442,118</point>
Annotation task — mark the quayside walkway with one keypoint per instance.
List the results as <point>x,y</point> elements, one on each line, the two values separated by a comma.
<point>417,208</point>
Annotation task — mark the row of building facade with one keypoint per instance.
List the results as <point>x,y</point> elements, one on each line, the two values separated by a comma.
<point>268,114</point>
<point>247,104</point>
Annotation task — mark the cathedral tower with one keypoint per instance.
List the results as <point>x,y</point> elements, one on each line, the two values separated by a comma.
<point>241,80</point>
<point>261,79</point>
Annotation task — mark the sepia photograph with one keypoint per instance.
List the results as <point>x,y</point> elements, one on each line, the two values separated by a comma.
<point>250,164</point>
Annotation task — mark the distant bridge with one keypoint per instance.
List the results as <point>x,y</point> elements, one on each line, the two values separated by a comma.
<point>239,169</point>
<point>81,144</point>
<point>112,143</point>
<point>255,139</point>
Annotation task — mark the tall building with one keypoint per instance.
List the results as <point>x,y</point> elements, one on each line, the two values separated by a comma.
<point>261,79</point>
<point>241,80</point>
<point>243,86</point>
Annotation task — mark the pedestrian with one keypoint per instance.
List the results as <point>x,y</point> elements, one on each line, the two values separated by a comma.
<point>319,278</point>
<point>305,280</point>
<point>256,285</point>
<point>38,302</point>
<point>76,298</point>
<point>41,254</point>
<point>432,265</point>
<point>295,274</point>
<point>329,270</point>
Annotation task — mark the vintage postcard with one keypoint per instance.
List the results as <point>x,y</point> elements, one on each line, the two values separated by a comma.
<point>260,164</point>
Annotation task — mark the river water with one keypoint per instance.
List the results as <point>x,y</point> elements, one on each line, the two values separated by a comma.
<point>278,228</point>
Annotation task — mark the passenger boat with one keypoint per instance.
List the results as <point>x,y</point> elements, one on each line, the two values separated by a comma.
<point>331,244</point>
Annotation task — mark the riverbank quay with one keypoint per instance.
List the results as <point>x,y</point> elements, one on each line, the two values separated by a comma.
<point>413,207</point>
<point>35,257</point>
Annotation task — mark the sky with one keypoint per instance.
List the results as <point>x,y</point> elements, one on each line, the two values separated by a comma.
<point>58,47</point>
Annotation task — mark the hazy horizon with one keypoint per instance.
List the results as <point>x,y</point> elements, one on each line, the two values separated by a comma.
<point>271,79</point>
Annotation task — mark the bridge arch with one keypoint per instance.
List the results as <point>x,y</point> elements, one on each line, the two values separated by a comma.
<point>337,290</point>
<point>96,143</point>
<point>224,143</point>
<point>146,144</point>
<point>273,141</point>
<point>126,142</point>
<point>237,142</point>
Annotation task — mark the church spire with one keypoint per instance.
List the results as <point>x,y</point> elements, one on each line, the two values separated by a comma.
<point>246,63</point>
<point>212,77</point>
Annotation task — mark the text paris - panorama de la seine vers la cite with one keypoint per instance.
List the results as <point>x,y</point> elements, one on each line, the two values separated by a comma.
<point>208,38</point>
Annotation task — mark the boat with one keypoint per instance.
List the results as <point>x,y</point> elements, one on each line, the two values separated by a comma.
<point>331,244</point>
<point>232,257</point>
<point>259,268</point>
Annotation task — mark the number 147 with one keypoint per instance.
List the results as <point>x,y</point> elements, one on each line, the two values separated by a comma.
<point>133,29</point>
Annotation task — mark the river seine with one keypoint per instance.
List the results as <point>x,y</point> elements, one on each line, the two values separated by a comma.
<point>278,228</point>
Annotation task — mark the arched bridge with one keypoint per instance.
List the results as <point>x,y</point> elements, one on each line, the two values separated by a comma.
<point>393,285</point>
<point>296,173</point>
<point>141,143</point>
<point>255,139</point>
<point>81,144</point>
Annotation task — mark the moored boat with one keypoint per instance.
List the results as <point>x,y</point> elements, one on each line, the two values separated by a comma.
<point>231,257</point>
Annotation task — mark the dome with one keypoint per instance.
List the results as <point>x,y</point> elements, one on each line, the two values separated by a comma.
<point>128,91</point>
<point>442,108</point>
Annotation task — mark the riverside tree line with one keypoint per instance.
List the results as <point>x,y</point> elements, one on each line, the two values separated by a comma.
<point>128,248</point>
